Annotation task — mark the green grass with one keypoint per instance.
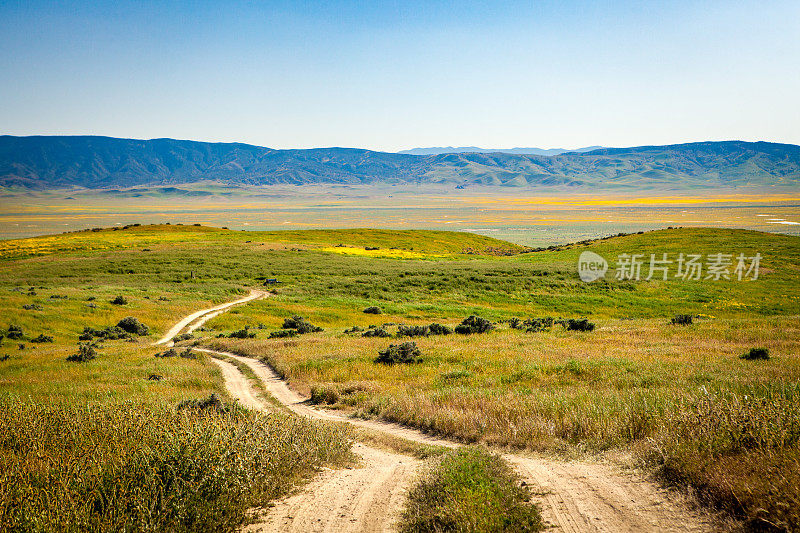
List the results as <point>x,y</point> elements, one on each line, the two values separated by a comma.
<point>469,490</point>
<point>635,383</point>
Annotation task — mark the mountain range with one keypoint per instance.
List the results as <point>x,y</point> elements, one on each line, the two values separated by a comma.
<point>434,150</point>
<point>44,162</point>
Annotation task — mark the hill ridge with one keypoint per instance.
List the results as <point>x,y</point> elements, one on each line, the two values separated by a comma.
<point>42,162</point>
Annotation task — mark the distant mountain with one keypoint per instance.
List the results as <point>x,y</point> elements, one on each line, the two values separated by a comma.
<point>435,150</point>
<point>105,162</point>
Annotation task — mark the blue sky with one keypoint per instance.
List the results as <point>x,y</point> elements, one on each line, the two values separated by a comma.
<point>394,75</point>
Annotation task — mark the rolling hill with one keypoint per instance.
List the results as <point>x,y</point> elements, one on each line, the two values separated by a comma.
<point>41,162</point>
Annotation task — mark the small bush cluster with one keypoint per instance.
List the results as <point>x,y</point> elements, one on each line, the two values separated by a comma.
<point>243,334</point>
<point>681,320</point>
<point>110,333</point>
<point>15,332</point>
<point>42,338</point>
<point>474,324</point>
<point>532,325</point>
<point>373,310</point>
<point>132,325</point>
<point>86,352</point>
<point>171,352</point>
<point>120,300</point>
<point>182,337</point>
<point>423,331</point>
<point>354,329</point>
<point>32,307</point>
<point>282,334</point>
<point>756,354</point>
<point>405,353</point>
<point>300,324</point>
<point>577,324</point>
<point>376,332</point>
<point>211,403</point>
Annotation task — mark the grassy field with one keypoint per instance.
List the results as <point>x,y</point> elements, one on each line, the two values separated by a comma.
<point>677,398</point>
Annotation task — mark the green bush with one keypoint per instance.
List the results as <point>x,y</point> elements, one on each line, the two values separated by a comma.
<point>474,324</point>
<point>405,353</point>
<point>756,354</point>
<point>282,333</point>
<point>376,332</point>
<point>577,324</point>
<point>132,325</point>
<point>42,338</point>
<point>373,310</point>
<point>681,320</point>
<point>240,334</point>
<point>15,332</point>
<point>120,300</point>
<point>167,353</point>
<point>86,352</point>
<point>300,324</point>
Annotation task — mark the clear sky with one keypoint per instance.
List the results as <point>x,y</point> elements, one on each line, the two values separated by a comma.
<point>395,75</point>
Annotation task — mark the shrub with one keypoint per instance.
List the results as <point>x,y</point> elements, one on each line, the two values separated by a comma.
<point>577,324</point>
<point>42,338</point>
<point>681,320</point>
<point>533,325</point>
<point>15,332</point>
<point>756,354</point>
<point>405,353</point>
<point>211,403</point>
<point>182,337</point>
<point>413,331</point>
<point>470,486</point>
<point>32,307</point>
<point>376,332</point>
<point>132,325</point>
<point>300,324</point>
<point>354,329</point>
<point>474,324</point>
<point>86,352</point>
<point>373,310</point>
<point>119,300</point>
<point>168,353</point>
<point>110,333</point>
<point>282,333</point>
<point>439,329</point>
<point>242,334</point>
<point>188,354</point>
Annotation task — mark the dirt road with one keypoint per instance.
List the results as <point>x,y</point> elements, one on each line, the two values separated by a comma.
<point>365,498</point>
<point>574,496</point>
<point>195,320</point>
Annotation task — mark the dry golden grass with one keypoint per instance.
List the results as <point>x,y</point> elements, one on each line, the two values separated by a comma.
<point>630,384</point>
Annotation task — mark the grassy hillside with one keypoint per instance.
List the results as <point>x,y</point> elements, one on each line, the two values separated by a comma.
<point>678,398</point>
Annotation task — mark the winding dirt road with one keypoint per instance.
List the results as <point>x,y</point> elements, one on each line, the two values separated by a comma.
<point>197,319</point>
<point>574,496</point>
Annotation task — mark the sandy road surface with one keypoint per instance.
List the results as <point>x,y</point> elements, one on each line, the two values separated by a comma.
<point>365,498</point>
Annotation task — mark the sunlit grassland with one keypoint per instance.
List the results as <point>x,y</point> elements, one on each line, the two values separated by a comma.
<point>679,398</point>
